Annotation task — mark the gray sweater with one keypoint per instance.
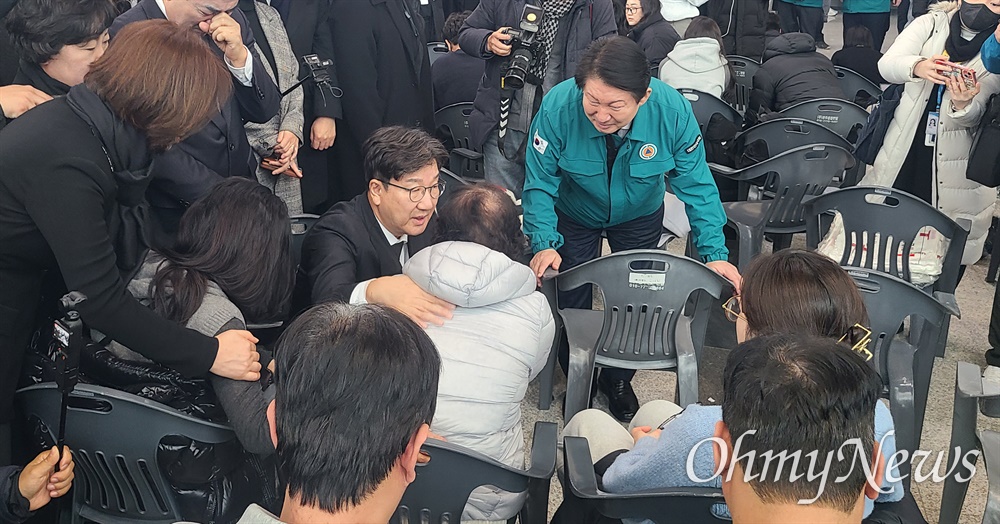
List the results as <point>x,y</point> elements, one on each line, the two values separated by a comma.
<point>244,402</point>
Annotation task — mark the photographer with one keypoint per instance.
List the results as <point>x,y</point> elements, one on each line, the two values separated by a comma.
<point>566,30</point>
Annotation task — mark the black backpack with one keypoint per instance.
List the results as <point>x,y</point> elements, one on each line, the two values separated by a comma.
<point>984,157</point>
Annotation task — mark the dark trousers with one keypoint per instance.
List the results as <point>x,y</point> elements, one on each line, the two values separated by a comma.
<point>994,334</point>
<point>795,18</point>
<point>582,244</point>
<point>877,23</point>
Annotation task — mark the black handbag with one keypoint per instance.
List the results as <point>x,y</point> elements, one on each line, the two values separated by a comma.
<point>873,134</point>
<point>984,157</point>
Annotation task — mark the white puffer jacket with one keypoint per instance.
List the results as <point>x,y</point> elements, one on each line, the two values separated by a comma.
<point>494,345</point>
<point>696,63</point>
<point>951,192</point>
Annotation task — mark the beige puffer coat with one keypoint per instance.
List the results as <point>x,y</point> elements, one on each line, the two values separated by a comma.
<point>952,193</point>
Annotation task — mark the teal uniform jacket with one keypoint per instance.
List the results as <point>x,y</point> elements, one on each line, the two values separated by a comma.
<point>867,6</point>
<point>805,3</point>
<point>566,168</point>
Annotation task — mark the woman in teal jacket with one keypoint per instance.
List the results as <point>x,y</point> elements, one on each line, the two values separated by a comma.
<point>600,147</point>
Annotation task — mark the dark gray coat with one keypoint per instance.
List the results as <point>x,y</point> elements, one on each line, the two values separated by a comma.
<point>588,20</point>
<point>656,37</point>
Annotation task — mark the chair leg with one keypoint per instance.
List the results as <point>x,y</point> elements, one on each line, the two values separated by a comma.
<point>750,245</point>
<point>900,371</point>
<point>579,380</point>
<point>546,378</point>
<point>963,439</point>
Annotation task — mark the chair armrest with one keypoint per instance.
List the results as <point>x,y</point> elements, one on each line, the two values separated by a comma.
<point>544,445</point>
<point>269,325</point>
<point>467,153</point>
<point>580,475</point>
<point>740,175</point>
<point>720,169</point>
<point>949,302</point>
<point>989,442</point>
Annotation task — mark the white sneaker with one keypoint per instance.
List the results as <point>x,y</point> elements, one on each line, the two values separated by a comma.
<point>831,14</point>
<point>992,374</point>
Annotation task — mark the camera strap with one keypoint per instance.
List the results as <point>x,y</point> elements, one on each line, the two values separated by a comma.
<point>530,99</point>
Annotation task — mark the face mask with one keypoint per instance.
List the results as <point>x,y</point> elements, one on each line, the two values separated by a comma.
<point>978,17</point>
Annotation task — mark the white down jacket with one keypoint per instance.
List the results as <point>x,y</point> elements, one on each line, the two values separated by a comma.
<point>951,192</point>
<point>494,345</point>
<point>696,63</point>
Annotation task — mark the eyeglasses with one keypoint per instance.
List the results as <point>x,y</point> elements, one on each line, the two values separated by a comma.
<point>733,309</point>
<point>861,346</point>
<point>633,10</point>
<point>417,193</point>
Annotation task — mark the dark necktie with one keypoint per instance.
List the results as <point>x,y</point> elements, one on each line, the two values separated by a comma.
<point>613,142</point>
<point>397,249</point>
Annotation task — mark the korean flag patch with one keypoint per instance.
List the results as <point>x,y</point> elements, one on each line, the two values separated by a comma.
<point>540,144</point>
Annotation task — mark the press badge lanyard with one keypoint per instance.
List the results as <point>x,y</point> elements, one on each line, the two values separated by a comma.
<point>933,121</point>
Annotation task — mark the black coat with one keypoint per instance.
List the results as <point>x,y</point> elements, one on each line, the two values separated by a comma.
<point>57,201</point>
<point>586,21</point>
<point>655,36</point>
<point>792,72</point>
<point>383,65</point>
<point>220,150</point>
<point>862,60</point>
<point>347,246</point>
<point>742,23</point>
<point>308,27</point>
<point>456,77</point>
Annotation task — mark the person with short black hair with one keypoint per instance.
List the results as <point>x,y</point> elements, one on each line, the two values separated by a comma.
<point>859,54</point>
<point>455,76</point>
<point>603,145</point>
<point>356,389</point>
<point>796,394</point>
<point>356,251</point>
<point>498,339</point>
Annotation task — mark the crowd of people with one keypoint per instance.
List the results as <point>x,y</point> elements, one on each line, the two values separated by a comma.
<point>154,153</point>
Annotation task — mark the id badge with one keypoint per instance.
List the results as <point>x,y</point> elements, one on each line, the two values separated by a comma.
<point>930,133</point>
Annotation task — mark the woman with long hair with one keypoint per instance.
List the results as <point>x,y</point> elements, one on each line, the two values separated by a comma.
<point>647,28</point>
<point>72,203</point>
<point>699,61</point>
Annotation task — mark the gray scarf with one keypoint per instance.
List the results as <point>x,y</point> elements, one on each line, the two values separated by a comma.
<point>554,11</point>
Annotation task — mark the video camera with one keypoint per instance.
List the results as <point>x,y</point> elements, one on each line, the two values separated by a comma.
<point>524,47</point>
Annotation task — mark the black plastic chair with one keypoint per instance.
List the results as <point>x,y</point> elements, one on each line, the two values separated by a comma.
<point>114,437</point>
<point>856,86</point>
<point>785,134</point>
<point>897,217</point>
<point>843,117</point>
<point>463,158</point>
<point>300,226</point>
<point>795,176</point>
<point>442,488</point>
<point>743,70</point>
<point>905,367</point>
<point>664,506</point>
<point>973,393</point>
<point>546,378</point>
<point>436,50</point>
<point>706,105</point>
<point>647,322</point>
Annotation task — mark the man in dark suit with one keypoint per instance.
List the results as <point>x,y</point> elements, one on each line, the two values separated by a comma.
<point>385,74</point>
<point>220,150</point>
<point>308,25</point>
<point>456,75</point>
<point>356,251</point>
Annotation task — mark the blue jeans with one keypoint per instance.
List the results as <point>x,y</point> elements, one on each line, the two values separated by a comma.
<point>500,171</point>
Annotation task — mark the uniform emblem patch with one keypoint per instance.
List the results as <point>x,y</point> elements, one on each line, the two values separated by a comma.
<point>540,144</point>
<point>647,151</point>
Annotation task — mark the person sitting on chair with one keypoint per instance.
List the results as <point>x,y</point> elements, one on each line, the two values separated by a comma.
<point>791,291</point>
<point>356,251</point>
<point>363,363</point>
<point>455,76</point>
<point>498,339</point>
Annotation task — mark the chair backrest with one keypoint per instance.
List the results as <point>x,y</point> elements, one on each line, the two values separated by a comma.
<point>896,217</point>
<point>843,117</point>
<point>645,292</point>
<point>436,49</point>
<point>799,175</point>
<point>706,105</point>
<point>852,83</point>
<point>454,120</point>
<point>443,484</point>
<point>743,70</point>
<point>300,226</point>
<point>785,134</point>
<point>889,301</point>
<point>114,437</point>
<point>661,506</point>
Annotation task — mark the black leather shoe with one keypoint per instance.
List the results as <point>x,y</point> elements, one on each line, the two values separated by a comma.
<point>993,357</point>
<point>621,398</point>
